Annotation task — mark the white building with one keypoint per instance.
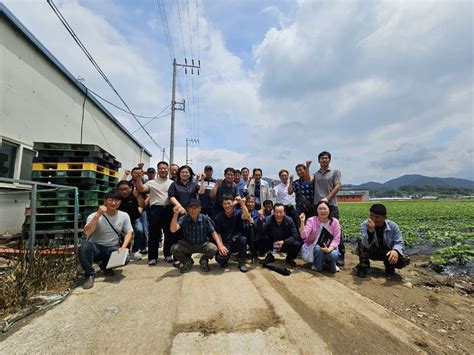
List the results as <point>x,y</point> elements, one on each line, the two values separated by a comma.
<point>41,101</point>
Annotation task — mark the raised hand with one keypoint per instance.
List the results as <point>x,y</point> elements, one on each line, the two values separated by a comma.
<point>308,163</point>
<point>302,218</point>
<point>260,214</point>
<point>101,210</point>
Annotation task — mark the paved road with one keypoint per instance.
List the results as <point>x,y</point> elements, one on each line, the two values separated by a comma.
<point>157,310</point>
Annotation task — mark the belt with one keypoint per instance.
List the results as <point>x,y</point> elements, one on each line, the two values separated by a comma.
<point>158,206</point>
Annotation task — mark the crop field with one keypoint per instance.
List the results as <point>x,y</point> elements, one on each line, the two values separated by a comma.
<point>435,222</point>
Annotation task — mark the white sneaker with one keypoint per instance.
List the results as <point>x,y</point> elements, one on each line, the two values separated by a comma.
<point>337,269</point>
<point>137,256</point>
<point>169,259</point>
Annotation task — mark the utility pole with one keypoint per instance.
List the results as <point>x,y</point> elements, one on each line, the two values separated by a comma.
<point>188,140</point>
<point>173,98</point>
<point>163,154</point>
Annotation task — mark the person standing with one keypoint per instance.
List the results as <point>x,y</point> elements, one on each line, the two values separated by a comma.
<point>304,191</point>
<point>207,203</point>
<point>327,183</point>
<point>281,194</point>
<point>259,188</point>
<point>160,212</point>
<point>225,187</point>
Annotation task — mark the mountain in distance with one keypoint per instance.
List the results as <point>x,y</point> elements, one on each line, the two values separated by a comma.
<point>414,180</point>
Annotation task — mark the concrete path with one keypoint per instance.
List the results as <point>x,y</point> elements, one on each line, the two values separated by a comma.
<point>158,310</point>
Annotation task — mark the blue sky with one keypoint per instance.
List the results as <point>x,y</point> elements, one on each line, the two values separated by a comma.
<point>386,86</point>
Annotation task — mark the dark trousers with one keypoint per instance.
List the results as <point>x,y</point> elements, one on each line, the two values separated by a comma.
<point>335,214</point>
<point>183,250</point>
<point>292,248</point>
<point>377,253</point>
<point>291,212</point>
<point>91,252</point>
<point>236,244</point>
<point>160,220</point>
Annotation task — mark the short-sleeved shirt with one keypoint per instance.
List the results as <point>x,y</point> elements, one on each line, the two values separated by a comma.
<point>206,200</point>
<point>196,232</point>
<point>104,233</point>
<point>324,183</point>
<point>130,207</point>
<point>280,192</point>
<point>305,187</point>
<point>223,189</point>
<point>158,189</point>
<point>183,193</point>
<point>230,226</point>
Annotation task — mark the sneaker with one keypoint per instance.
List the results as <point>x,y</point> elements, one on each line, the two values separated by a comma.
<point>152,262</point>
<point>137,256</point>
<point>242,266</point>
<point>313,268</point>
<point>340,262</point>
<point>337,269</point>
<point>89,283</point>
<point>224,264</point>
<point>204,263</point>
<point>361,271</point>
<point>169,259</point>
<point>268,259</point>
<point>144,251</point>
<point>186,266</point>
<point>177,264</point>
<point>109,272</point>
<point>290,261</point>
<point>390,271</point>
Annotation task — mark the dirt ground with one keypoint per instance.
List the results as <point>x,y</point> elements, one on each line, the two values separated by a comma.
<point>158,310</point>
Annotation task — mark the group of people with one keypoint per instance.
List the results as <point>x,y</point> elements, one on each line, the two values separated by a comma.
<point>191,213</point>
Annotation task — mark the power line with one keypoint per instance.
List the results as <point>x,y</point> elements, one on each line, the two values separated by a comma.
<point>96,66</point>
<point>146,124</point>
<point>123,110</point>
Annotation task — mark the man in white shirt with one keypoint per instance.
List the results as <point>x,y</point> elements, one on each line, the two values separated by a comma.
<point>281,194</point>
<point>103,230</point>
<point>160,213</point>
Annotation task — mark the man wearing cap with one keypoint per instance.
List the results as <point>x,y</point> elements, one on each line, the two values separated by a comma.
<point>207,203</point>
<point>197,229</point>
<point>102,230</point>
<point>151,173</point>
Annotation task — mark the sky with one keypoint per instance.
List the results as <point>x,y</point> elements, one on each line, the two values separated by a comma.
<point>385,86</point>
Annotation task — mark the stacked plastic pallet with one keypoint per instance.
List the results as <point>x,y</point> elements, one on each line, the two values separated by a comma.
<point>90,168</point>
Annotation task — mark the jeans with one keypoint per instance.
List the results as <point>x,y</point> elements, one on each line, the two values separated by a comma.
<point>139,230</point>
<point>237,244</point>
<point>91,252</point>
<point>183,250</point>
<point>146,227</point>
<point>325,259</point>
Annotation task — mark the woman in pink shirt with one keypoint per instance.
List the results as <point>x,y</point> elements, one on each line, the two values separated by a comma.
<point>325,232</point>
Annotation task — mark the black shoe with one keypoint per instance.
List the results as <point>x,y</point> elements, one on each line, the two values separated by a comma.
<point>361,271</point>
<point>89,283</point>
<point>109,272</point>
<point>204,263</point>
<point>242,266</point>
<point>290,261</point>
<point>340,262</point>
<point>268,259</point>
<point>186,266</point>
<point>224,264</point>
<point>390,271</point>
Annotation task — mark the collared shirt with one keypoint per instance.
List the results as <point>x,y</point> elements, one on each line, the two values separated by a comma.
<point>242,188</point>
<point>158,189</point>
<point>229,226</point>
<point>223,189</point>
<point>183,193</point>
<point>196,232</point>
<point>305,187</point>
<point>130,207</point>
<point>312,230</point>
<point>271,229</point>
<point>280,192</point>
<point>261,191</point>
<point>324,183</point>
<point>206,200</point>
<point>392,236</point>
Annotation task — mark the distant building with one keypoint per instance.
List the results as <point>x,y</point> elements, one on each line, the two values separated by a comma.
<point>42,101</point>
<point>353,196</point>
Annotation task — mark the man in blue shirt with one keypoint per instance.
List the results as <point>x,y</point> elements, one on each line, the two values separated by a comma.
<point>381,240</point>
<point>196,232</point>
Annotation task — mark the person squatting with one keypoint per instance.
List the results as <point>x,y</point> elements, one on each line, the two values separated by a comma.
<point>197,214</point>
